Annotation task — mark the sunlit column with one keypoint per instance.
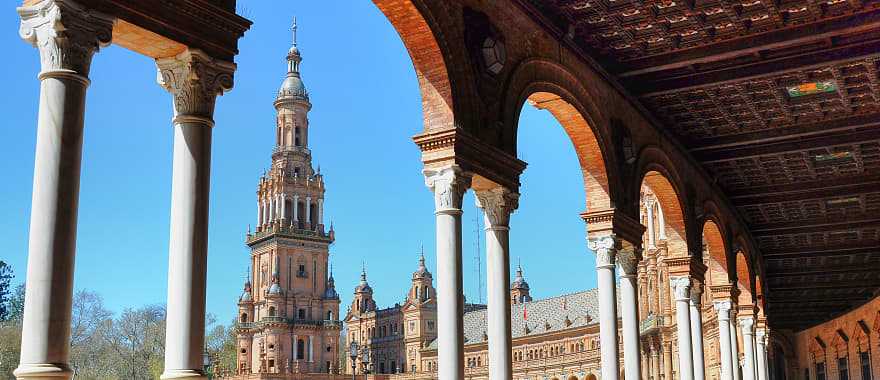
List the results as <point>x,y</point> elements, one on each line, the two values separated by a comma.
<point>681,291</point>
<point>649,204</point>
<point>667,361</point>
<point>655,362</point>
<point>283,207</point>
<point>308,213</point>
<point>295,210</point>
<point>628,260</point>
<point>747,325</point>
<point>449,185</point>
<point>259,214</point>
<point>498,204</point>
<point>320,220</point>
<point>697,331</point>
<point>67,36</point>
<point>722,308</point>
<point>734,344</point>
<point>606,251</point>
<point>194,79</point>
<point>761,351</point>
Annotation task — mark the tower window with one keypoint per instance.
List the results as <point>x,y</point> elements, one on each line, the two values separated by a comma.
<point>300,349</point>
<point>301,314</point>
<point>297,138</point>
<point>301,271</point>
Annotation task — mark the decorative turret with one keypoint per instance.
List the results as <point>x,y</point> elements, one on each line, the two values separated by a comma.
<point>246,304</point>
<point>292,88</point>
<point>363,295</point>
<point>519,289</point>
<point>330,293</point>
<point>422,282</point>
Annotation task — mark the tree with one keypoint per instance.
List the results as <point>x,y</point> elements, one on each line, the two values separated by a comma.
<point>90,356</point>
<point>6,277</point>
<point>16,305</point>
<point>221,345</point>
<point>137,337</point>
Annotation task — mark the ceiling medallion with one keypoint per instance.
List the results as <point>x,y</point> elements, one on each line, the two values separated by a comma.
<point>811,88</point>
<point>494,55</point>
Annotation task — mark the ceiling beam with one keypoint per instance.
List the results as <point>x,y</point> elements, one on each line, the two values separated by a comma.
<point>822,127</point>
<point>825,285</point>
<point>747,45</point>
<point>645,87</point>
<point>823,188</point>
<point>871,267</point>
<point>792,145</point>
<point>815,225</point>
<point>818,300</point>
<point>810,252</point>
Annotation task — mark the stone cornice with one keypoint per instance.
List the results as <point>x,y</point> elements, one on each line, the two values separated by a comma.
<point>490,165</point>
<point>613,221</point>
<point>685,266</point>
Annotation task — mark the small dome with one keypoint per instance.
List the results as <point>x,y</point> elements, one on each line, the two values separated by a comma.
<point>245,297</point>
<point>519,282</point>
<point>275,289</point>
<point>293,88</point>
<point>422,272</point>
<point>330,294</point>
<point>363,287</point>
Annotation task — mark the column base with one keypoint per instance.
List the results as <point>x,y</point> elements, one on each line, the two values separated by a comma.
<point>43,371</point>
<point>189,374</point>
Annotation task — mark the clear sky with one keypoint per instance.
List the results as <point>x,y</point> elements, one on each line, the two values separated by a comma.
<point>366,108</point>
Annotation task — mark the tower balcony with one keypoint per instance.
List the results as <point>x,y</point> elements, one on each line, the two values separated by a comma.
<point>315,233</point>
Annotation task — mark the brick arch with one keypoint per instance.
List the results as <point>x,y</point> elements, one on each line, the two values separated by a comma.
<point>744,277</point>
<point>417,25</point>
<point>716,245</point>
<point>656,171</point>
<point>550,86</point>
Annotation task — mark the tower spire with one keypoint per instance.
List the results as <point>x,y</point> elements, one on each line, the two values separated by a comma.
<point>293,28</point>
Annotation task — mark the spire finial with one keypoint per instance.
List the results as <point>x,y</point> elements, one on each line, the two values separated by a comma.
<point>422,257</point>
<point>293,28</point>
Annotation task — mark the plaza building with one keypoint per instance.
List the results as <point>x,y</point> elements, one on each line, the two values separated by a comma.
<point>730,156</point>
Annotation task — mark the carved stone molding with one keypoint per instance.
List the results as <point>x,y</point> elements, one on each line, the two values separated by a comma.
<point>195,80</point>
<point>722,308</point>
<point>497,203</point>
<point>449,185</point>
<point>66,34</point>
<point>681,287</point>
<point>606,248</point>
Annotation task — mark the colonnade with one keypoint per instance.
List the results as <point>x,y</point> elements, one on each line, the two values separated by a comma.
<point>67,36</point>
<point>272,210</point>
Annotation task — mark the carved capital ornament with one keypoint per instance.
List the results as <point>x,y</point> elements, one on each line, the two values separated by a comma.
<point>497,204</point>
<point>194,80</point>
<point>449,185</point>
<point>605,248</point>
<point>628,260</point>
<point>66,34</point>
<point>722,308</point>
<point>681,287</point>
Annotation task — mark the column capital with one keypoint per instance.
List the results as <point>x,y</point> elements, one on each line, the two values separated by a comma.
<point>614,222</point>
<point>696,294</point>
<point>760,335</point>
<point>195,79</point>
<point>628,259</point>
<point>497,203</point>
<point>67,35</point>
<point>606,248</point>
<point>681,287</point>
<point>747,324</point>
<point>449,183</point>
<point>722,308</point>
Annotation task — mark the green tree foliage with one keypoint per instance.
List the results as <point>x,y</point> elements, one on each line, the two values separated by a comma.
<point>6,277</point>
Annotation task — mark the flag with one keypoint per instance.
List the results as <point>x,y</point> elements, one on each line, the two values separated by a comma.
<point>525,313</point>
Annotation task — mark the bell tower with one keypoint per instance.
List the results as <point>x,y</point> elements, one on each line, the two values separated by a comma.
<point>294,323</point>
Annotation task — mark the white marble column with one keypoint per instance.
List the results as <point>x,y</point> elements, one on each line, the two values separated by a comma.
<point>273,206</point>
<point>629,304</point>
<point>498,204</point>
<point>655,362</point>
<point>649,205</point>
<point>308,212</point>
<point>761,351</point>
<point>696,315</point>
<point>259,214</point>
<point>67,36</point>
<point>449,185</point>
<point>681,291</point>
<point>296,210</point>
<point>747,325</point>
<point>734,347</point>
<point>283,207</point>
<point>293,347</point>
<point>311,350</point>
<point>722,308</point>
<point>194,79</point>
<point>320,212</point>
<point>606,251</point>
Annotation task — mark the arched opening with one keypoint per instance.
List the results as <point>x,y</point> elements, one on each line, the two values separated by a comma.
<point>300,349</point>
<point>658,190</point>
<point>744,279</point>
<point>590,377</point>
<point>271,311</point>
<point>715,255</point>
<point>243,318</point>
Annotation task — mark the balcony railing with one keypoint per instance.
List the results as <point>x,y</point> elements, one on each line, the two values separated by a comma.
<point>650,323</point>
<point>317,233</point>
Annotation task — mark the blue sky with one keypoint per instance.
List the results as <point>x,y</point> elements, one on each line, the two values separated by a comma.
<point>366,108</point>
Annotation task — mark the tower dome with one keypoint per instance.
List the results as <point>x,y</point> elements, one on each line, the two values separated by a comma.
<point>293,88</point>
<point>363,286</point>
<point>519,282</point>
<point>422,272</point>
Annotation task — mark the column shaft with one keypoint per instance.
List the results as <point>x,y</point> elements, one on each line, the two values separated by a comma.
<point>629,304</point>
<point>655,363</point>
<point>606,250</point>
<point>723,310</point>
<point>734,348</point>
<point>681,290</point>
<point>747,325</point>
<point>697,334</point>
<point>498,203</point>
<point>67,37</point>
<point>194,79</point>
<point>667,362</point>
<point>761,356</point>
<point>449,185</point>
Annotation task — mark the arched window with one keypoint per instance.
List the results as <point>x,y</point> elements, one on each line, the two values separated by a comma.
<point>243,318</point>
<point>329,315</point>
<point>297,139</point>
<point>271,311</point>
<point>300,349</point>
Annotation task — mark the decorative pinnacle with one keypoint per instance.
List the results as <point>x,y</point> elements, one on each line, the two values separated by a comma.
<point>293,28</point>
